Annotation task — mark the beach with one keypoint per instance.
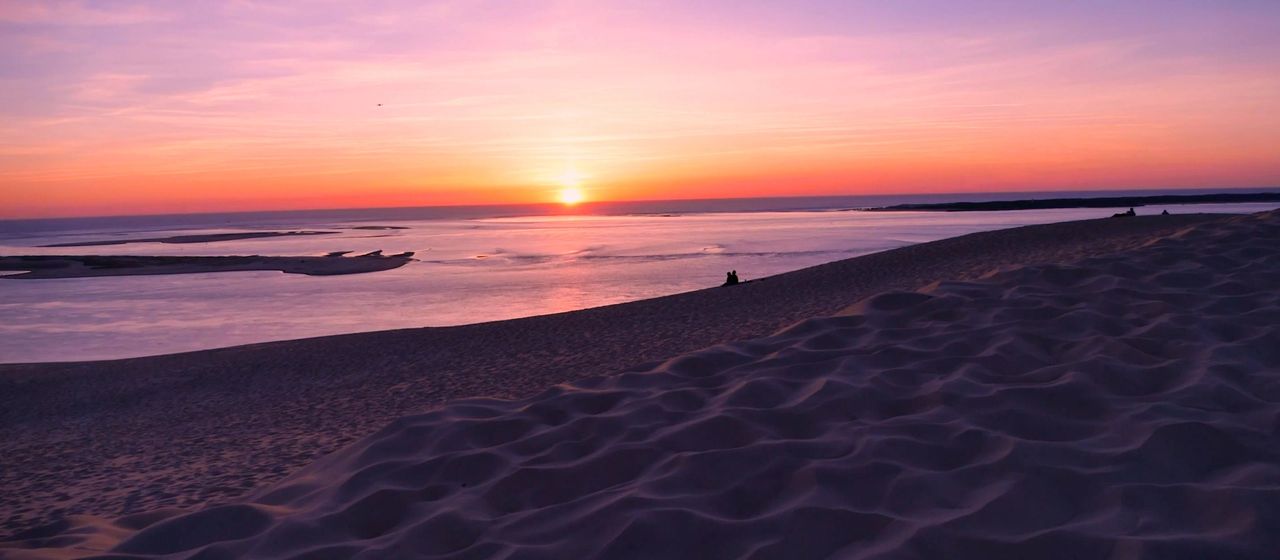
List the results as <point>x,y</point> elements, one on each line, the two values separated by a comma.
<point>1096,389</point>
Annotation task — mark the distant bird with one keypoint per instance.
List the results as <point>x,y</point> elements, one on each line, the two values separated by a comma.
<point>379,104</point>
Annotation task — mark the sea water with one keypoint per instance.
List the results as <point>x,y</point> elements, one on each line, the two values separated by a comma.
<point>473,264</point>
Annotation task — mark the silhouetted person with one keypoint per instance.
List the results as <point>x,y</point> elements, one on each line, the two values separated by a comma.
<point>1128,214</point>
<point>1165,213</point>
<point>730,278</point>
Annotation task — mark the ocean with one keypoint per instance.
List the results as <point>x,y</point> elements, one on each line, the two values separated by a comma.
<point>475,264</point>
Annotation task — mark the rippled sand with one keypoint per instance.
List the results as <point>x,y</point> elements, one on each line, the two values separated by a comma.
<point>1100,389</point>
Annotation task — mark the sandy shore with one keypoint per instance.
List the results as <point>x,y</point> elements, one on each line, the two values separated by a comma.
<point>87,266</point>
<point>1089,389</point>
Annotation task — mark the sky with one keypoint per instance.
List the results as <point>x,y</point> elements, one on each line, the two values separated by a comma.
<point>165,107</point>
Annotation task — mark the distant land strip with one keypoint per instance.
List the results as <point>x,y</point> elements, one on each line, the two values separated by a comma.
<point>208,238</point>
<point>88,266</point>
<point>1100,202</point>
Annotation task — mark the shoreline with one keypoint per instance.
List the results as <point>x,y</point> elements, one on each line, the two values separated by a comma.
<point>94,437</point>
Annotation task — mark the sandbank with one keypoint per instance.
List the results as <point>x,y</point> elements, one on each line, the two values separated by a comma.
<point>40,267</point>
<point>204,238</point>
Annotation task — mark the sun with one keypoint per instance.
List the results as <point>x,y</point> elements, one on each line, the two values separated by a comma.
<point>570,187</point>
<point>570,196</point>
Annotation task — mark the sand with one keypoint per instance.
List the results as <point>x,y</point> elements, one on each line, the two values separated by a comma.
<point>203,238</point>
<point>1099,389</point>
<point>42,267</point>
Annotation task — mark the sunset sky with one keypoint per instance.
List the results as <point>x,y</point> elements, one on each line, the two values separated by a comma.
<point>136,107</point>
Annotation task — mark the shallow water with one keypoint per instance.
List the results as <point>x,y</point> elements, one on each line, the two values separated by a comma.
<point>469,270</point>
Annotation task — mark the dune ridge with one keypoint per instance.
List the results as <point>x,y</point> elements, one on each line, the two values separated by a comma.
<point>1121,406</point>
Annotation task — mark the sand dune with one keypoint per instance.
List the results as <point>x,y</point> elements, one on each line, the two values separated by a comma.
<point>119,437</point>
<point>1122,405</point>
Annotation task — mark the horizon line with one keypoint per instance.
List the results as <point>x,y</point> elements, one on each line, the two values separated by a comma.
<point>556,205</point>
